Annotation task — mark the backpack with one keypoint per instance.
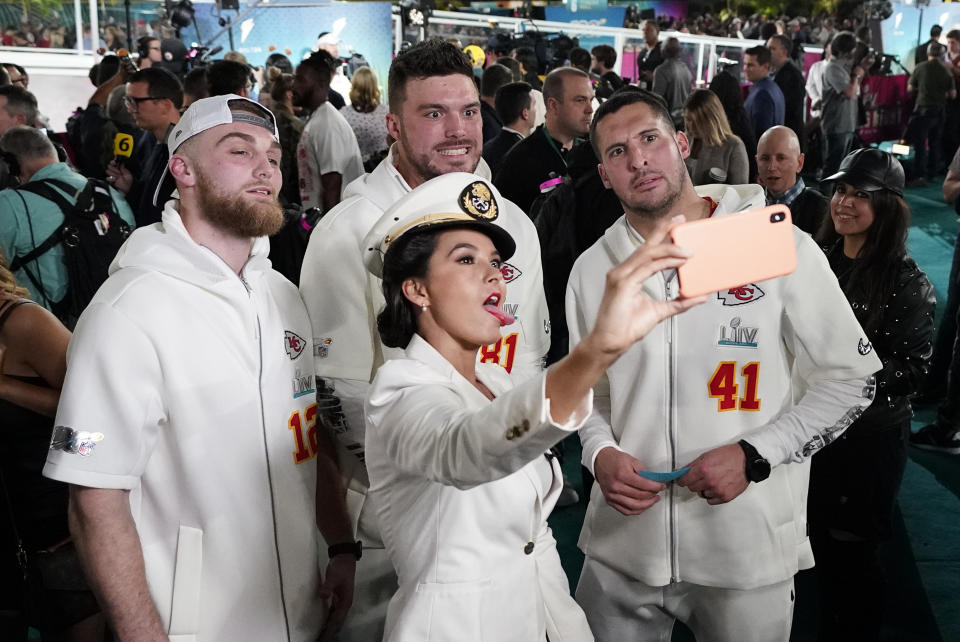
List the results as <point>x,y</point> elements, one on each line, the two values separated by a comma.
<point>91,234</point>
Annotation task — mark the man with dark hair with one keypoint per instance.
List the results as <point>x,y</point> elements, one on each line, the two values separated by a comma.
<point>435,119</point>
<point>149,51</point>
<point>580,59</point>
<point>790,80</point>
<point>651,57</point>
<point>328,155</point>
<point>920,53</point>
<point>514,104</point>
<point>718,548</point>
<point>513,66</point>
<point>673,80</point>
<point>541,157</point>
<point>28,219</point>
<point>16,74</point>
<point>933,84</point>
<point>195,86</point>
<point>154,97</point>
<point>17,107</point>
<point>229,77</point>
<point>195,501</point>
<point>765,104</point>
<point>602,60</point>
<point>841,87</point>
<point>494,77</point>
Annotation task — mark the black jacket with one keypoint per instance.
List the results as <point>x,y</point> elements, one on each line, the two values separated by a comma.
<point>809,209</point>
<point>491,122</point>
<point>650,59</point>
<point>790,80</point>
<point>496,149</point>
<point>571,218</point>
<point>902,339</point>
<point>526,166</point>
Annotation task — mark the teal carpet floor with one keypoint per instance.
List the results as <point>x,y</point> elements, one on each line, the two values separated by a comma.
<point>922,559</point>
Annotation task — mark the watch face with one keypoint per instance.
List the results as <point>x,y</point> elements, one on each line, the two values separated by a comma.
<point>759,469</point>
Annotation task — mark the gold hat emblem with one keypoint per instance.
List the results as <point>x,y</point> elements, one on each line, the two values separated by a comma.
<point>477,200</point>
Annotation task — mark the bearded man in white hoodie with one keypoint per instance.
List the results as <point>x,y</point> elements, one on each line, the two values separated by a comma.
<point>736,396</point>
<point>187,421</point>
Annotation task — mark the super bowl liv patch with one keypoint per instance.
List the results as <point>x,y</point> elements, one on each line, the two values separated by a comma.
<point>736,335</point>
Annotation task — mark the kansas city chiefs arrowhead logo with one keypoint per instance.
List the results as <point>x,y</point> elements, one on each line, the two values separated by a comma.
<point>740,295</point>
<point>509,272</point>
<point>293,344</point>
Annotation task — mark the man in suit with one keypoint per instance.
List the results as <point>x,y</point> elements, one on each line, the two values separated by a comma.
<point>790,80</point>
<point>920,53</point>
<point>764,105</point>
<point>494,77</point>
<point>542,155</point>
<point>514,105</point>
<point>651,57</point>
<point>779,161</point>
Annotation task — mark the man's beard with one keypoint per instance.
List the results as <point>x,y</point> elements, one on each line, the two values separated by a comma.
<point>235,214</point>
<point>653,210</point>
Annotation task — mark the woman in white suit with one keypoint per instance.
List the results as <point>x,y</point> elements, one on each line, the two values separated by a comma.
<point>457,457</point>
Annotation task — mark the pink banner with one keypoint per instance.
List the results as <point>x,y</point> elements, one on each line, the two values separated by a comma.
<point>886,105</point>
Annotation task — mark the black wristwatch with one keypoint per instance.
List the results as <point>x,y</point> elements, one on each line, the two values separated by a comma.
<point>346,548</point>
<point>757,468</point>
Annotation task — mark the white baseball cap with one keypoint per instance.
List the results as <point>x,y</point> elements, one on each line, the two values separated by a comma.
<point>207,113</point>
<point>451,200</point>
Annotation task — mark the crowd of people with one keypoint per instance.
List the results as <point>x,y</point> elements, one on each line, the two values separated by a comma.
<point>322,388</point>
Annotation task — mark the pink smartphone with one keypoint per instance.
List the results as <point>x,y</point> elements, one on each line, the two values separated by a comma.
<point>736,249</point>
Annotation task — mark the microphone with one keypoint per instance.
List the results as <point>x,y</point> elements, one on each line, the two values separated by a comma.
<point>122,147</point>
<point>211,52</point>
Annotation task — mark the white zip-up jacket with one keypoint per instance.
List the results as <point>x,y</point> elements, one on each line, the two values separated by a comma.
<point>782,363</point>
<point>193,388</point>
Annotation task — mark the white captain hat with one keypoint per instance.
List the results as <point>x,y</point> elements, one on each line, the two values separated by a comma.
<point>451,200</point>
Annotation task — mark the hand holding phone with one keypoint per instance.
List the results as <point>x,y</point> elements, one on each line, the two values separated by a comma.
<point>735,249</point>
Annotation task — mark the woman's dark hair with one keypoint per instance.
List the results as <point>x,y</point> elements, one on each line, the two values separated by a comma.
<point>406,258</point>
<point>875,273</point>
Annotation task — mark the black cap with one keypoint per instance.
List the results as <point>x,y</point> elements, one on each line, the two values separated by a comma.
<point>871,170</point>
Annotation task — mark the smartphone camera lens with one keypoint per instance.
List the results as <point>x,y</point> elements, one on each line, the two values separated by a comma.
<point>776,217</point>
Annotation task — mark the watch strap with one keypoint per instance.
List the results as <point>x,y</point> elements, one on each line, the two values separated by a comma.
<point>346,548</point>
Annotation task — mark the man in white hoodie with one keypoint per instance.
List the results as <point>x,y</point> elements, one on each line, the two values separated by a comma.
<point>742,390</point>
<point>435,118</point>
<point>187,421</point>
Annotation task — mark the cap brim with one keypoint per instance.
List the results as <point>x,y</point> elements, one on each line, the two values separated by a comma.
<point>501,239</point>
<point>164,188</point>
<point>861,182</point>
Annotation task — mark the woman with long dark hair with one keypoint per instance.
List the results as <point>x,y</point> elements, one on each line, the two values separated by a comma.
<point>854,481</point>
<point>460,476</point>
<point>33,348</point>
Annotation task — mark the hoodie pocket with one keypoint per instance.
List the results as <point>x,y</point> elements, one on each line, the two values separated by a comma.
<point>188,570</point>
